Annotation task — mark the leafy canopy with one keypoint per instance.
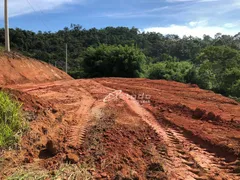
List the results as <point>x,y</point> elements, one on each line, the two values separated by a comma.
<point>113,61</point>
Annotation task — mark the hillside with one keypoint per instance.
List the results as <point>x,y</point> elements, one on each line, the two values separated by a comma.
<point>17,69</point>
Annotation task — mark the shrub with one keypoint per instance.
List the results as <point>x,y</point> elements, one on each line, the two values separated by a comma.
<point>176,71</point>
<point>12,123</point>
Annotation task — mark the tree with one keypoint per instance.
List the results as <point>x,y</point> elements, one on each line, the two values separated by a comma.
<point>231,81</point>
<point>212,59</point>
<point>113,61</point>
<point>168,70</point>
<point>218,69</point>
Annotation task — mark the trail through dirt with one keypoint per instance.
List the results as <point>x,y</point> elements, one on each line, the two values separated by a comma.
<point>175,166</point>
<point>187,159</point>
<point>73,104</point>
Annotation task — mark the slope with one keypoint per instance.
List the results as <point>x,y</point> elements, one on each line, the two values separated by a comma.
<point>17,69</point>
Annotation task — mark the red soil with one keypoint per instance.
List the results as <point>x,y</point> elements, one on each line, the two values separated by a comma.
<point>209,116</point>
<point>169,130</point>
<point>16,69</point>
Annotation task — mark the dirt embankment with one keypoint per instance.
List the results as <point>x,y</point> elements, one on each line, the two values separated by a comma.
<point>17,69</point>
<point>164,130</point>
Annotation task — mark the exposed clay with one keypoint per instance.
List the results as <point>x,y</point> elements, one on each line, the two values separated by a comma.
<point>67,111</point>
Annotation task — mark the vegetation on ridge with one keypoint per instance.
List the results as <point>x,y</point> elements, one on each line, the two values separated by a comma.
<point>212,63</point>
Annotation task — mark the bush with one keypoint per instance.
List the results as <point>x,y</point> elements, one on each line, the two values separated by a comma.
<point>204,77</point>
<point>114,61</point>
<point>234,90</point>
<point>176,71</point>
<point>217,69</point>
<point>11,120</point>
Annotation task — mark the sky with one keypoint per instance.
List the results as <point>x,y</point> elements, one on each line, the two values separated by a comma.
<point>181,17</point>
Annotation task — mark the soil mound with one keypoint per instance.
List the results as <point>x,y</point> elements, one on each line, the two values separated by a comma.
<point>17,69</point>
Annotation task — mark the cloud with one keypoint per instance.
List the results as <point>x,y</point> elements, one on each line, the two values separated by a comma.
<point>17,7</point>
<point>196,29</point>
<point>177,10</point>
<point>198,23</point>
<point>137,14</point>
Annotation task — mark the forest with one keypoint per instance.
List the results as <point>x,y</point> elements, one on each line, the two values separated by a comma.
<point>211,63</point>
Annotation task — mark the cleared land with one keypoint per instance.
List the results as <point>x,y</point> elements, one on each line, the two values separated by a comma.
<point>168,130</point>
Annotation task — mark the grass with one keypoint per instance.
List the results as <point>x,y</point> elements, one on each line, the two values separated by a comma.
<point>12,123</point>
<point>66,171</point>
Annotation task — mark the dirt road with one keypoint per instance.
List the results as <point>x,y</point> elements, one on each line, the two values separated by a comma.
<point>193,133</point>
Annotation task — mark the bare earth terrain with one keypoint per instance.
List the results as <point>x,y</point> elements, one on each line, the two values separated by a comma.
<point>164,130</point>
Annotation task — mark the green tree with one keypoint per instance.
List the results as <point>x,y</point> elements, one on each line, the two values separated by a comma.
<point>168,70</point>
<point>113,61</point>
<point>218,69</point>
<point>231,81</point>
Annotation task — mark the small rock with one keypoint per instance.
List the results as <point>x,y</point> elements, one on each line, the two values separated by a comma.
<point>170,111</point>
<point>198,113</point>
<point>104,174</point>
<point>72,158</point>
<point>28,160</point>
<point>211,116</point>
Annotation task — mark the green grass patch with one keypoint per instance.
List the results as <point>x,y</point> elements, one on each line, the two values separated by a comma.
<point>12,123</point>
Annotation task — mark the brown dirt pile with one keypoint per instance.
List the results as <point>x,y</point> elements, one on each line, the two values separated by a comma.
<point>17,69</point>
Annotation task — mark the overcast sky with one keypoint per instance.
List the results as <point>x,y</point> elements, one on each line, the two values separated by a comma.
<point>182,17</point>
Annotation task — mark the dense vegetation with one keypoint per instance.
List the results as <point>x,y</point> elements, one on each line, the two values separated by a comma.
<point>11,121</point>
<point>118,61</point>
<point>212,63</point>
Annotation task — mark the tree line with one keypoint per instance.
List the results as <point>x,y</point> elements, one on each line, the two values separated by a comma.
<point>212,63</point>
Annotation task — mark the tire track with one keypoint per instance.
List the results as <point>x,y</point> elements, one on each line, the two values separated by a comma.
<point>176,169</point>
<point>213,166</point>
<point>74,100</point>
<point>76,135</point>
<point>82,116</point>
<point>185,160</point>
